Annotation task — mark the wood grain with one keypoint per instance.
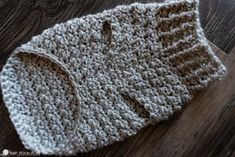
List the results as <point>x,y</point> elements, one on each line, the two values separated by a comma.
<point>205,127</point>
<point>218,21</point>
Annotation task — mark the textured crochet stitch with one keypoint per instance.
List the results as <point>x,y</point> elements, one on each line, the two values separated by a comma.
<point>98,79</point>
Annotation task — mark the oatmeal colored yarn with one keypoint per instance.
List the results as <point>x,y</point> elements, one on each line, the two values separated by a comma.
<point>98,79</point>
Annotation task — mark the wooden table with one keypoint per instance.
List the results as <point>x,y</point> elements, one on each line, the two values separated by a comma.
<point>205,127</point>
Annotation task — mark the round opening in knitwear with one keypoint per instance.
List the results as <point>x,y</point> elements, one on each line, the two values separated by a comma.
<point>42,101</point>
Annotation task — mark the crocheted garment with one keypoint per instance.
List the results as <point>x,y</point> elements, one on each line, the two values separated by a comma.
<point>94,80</point>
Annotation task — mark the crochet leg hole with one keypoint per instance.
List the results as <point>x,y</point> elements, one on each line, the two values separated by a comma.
<point>135,105</point>
<point>107,31</point>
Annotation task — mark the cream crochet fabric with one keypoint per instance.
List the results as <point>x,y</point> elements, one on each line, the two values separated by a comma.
<point>100,78</point>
